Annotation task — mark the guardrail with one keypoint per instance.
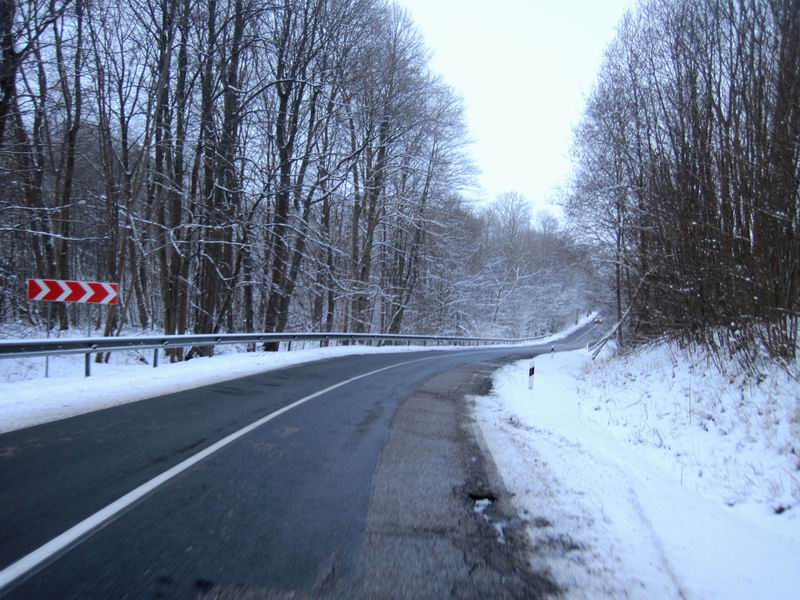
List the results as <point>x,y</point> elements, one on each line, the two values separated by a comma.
<point>89,346</point>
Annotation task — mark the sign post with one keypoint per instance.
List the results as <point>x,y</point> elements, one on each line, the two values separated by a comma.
<point>83,292</point>
<point>49,327</point>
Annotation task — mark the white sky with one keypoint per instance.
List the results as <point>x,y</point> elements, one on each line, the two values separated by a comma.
<point>524,69</point>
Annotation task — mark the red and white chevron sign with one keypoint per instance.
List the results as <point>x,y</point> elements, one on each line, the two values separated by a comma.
<point>57,290</point>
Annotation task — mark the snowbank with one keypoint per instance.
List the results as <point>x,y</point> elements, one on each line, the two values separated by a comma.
<point>653,475</point>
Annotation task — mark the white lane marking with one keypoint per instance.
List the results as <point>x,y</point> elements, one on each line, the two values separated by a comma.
<point>74,534</point>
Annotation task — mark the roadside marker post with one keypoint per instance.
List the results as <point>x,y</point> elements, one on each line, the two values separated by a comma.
<point>531,370</point>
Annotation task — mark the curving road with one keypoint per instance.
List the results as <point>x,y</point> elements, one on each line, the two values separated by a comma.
<point>362,485</point>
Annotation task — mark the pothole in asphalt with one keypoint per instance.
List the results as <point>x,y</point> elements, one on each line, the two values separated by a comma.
<point>478,496</point>
<point>480,503</point>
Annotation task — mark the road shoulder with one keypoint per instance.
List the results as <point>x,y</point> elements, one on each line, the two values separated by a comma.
<point>424,535</point>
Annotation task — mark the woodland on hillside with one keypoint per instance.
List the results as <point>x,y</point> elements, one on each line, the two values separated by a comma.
<point>688,174</point>
<point>257,165</point>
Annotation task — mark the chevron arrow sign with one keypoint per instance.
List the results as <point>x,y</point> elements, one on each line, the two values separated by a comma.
<point>88,292</point>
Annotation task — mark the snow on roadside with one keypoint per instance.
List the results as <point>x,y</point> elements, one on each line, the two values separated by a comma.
<point>653,475</point>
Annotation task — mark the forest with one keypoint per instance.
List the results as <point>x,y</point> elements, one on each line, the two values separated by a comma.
<point>257,165</point>
<point>297,165</point>
<point>687,177</point>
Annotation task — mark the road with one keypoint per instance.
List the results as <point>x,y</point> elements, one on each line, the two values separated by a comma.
<point>363,486</point>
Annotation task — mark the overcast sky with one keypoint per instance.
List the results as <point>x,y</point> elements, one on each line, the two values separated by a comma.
<point>524,69</point>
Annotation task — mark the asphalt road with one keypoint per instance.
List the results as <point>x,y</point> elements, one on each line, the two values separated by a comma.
<point>365,490</point>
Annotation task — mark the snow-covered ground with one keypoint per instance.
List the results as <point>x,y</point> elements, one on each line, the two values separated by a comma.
<point>652,476</point>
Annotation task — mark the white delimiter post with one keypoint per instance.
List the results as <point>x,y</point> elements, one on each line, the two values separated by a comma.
<point>530,375</point>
